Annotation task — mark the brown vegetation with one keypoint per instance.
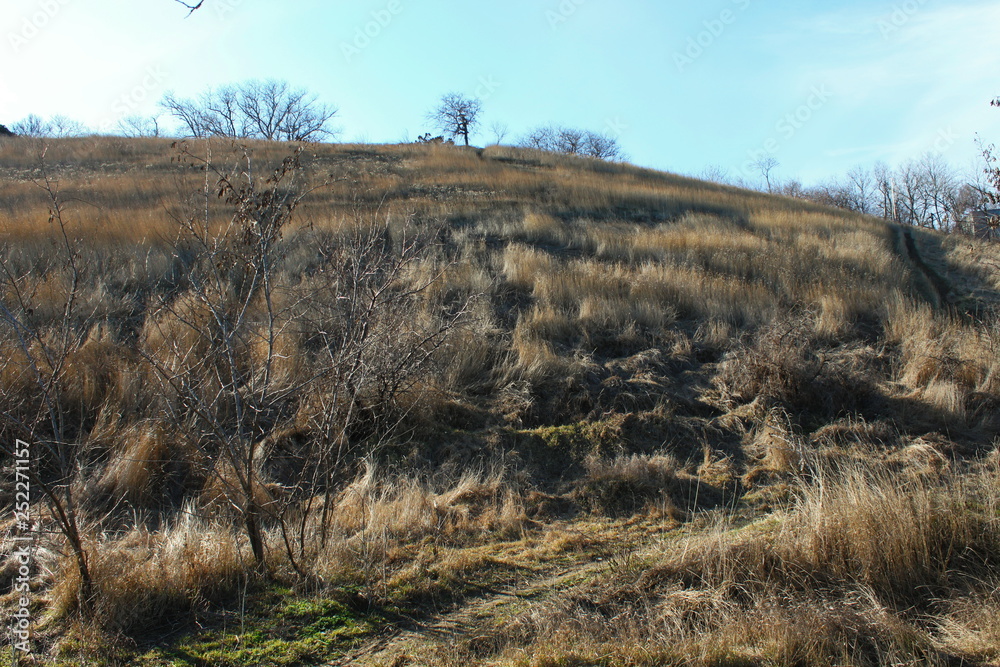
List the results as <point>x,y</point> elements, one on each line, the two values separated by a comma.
<point>253,364</point>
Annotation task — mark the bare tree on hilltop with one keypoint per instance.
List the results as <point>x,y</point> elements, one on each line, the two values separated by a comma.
<point>271,110</point>
<point>56,127</point>
<point>457,116</point>
<point>571,141</point>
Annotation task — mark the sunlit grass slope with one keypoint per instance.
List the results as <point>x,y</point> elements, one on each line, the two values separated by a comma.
<point>452,358</point>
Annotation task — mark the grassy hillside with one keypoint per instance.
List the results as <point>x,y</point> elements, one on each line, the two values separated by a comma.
<point>487,406</point>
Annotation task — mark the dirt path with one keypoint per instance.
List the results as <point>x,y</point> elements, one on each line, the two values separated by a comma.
<point>482,617</point>
<point>469,621</point>
<point>938,285</point>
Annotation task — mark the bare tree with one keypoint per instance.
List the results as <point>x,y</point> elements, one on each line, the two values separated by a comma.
<point>139,126</point>
<point>572,141</point>
<point>58,127</point>
<point>188,113</point>
<point>31,126</point>
<point>861,188</point>
<point>46,416</point>
<point>271,110</point>
<point>792,188</point>
<point>941,188</point>
<point>715,173</point>
<point>277,112</point>
<point>602,147</point>
<point>885,192</point>
<point>222,380</point>
<point>219,347</point>
<point>457,116</point>
<point>541,138</point>
<point>969,199</point>
<point>500,131</point>
<point>63,126</point>
<point>765,164</point>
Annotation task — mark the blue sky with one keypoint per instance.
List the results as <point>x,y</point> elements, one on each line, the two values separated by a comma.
<point>820,86</point>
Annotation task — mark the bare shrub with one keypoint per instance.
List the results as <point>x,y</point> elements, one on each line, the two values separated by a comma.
<point>783,365</point>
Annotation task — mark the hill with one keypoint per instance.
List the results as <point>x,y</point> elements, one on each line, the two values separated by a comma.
<point>380,404</point>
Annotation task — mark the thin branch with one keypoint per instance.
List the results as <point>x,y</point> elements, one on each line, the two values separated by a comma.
<point>192,8</point>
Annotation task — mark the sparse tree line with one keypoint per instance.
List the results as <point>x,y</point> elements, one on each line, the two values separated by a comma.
<point>270,110</point>
<point>923,192</point>
<point>573,141</point>
<point>274,110</point>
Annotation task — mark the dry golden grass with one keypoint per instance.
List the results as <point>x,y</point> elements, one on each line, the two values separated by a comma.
<point>146,579</point>
<point>869,567</point>
<point>736,341</point>
<point>381,522</point>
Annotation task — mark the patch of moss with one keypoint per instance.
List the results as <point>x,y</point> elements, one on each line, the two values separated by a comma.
<point>278,627</point>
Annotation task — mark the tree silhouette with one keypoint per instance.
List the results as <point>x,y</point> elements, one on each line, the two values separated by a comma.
<point>457,115</point>
<point>272,110</point>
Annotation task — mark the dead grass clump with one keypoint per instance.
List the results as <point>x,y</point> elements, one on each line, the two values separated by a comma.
<point>224,491</point>
<point>778,366</point>
<point>534,361</point>
<point>101,369</point>
<point>856,431</point>
<point>907,539</point>
<point>379,524</point>
<point>148,461</point>
<point>971,624</point>
<point>143,580</point>
<point>407,508</point>
<point>472,355</point>
<point>948,365</point>
<point>783,365</point>
<point>542,228</point>
<point>626,486</point>
<point>523,265</point>
<point>178,335</point>
<point>616,624</point>
<point>778,446</point>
